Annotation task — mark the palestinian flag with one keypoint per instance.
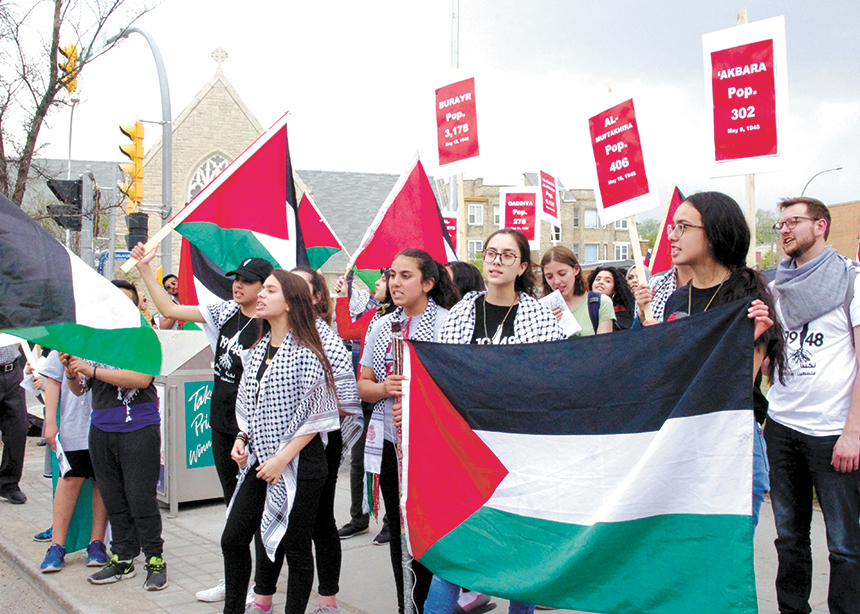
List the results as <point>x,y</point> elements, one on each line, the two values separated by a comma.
<point>534,472</point>
<point>249,209</point>
<point>201,281</point>
<point>50,297</point>
<point>661,256</point>
<point>320,241</point>
<point>409,218</point>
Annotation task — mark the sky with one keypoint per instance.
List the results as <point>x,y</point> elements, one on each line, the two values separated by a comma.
<point>359,81</point>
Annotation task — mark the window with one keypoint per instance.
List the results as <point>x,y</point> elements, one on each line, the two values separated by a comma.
<point>621,251</point>
<point>576,250</point>
<point>206,173</point>
<point>474,248</point>
<point>476,214</point>
<point>621,224</point>
<point>497,215</point>
<point>575,217</point>
<point>592,252</point>
<point>555,235</point>
<point>591,218</point>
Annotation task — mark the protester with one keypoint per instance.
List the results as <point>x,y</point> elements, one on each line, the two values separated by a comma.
<point>561,271</point>
<point>70,426</point>
<point>659,290</point>
<point>368,310</point>
<point>422,292</point>
<point>125,449</point>
<point>506,313</point>
<point>609,281</point>
<point>466,277</point>
<point>170,283</point>
<point>13,423</point>
<point>710,235</point>
<point>286,398</point>
<point>325,535</point>
<point>633,278</point>
<point>813,430</point>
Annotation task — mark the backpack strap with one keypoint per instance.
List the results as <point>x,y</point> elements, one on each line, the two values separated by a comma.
<point>594,309</point>
<point>849,294</point>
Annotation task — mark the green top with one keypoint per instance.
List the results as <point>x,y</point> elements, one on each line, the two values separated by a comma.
<point>606,312</point>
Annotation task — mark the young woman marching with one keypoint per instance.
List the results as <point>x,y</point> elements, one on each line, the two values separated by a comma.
<point>561,271</point>
<point>423,292</point>
<point>710,235</point>
<point>286,399</point>
<point>609,281</point>
<point>506,313</point>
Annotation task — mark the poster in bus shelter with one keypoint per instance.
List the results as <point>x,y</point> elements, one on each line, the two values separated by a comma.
<point>747,97</point>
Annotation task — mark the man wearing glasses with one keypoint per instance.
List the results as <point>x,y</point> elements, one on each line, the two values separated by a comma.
<point>813,427</point>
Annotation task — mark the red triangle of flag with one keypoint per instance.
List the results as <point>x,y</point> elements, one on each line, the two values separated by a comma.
<point>451,472</point>
<point>315,229</point>
<point>661,258</point>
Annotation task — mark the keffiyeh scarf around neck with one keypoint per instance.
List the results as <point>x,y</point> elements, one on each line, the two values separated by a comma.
<point>812,289</point>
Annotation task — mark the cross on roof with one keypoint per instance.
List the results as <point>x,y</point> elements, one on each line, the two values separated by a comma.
<point>219,55</point>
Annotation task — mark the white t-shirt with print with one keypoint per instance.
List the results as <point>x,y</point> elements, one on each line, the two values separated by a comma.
<point>823,366</point>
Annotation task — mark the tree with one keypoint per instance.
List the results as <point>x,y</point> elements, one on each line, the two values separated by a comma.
<point>31,85</point>
<point>764,221</point>
<point>648,230</point>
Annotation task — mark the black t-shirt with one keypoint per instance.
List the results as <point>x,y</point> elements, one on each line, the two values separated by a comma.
<point>238,333</point>
<point>497,329</point>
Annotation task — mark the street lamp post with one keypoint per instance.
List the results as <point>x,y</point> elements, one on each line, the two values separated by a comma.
<point>838,168</point>
<point>74,102</point>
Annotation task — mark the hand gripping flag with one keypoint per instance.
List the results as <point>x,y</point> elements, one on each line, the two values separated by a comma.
<point>50,297</point>
<point>249,209</point>
<point>320,241</point>
<point>409,218</point>
<point>533,472</point>
<point>661,257</point>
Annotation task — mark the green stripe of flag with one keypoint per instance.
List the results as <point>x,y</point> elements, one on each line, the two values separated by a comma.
<point>226,247</point>
<point>318,256</point>
<point>671,564</point>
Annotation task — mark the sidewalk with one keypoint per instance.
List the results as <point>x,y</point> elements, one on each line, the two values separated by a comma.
<point>193,555</point>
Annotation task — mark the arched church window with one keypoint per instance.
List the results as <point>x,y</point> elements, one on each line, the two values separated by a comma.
<point>206,173</point>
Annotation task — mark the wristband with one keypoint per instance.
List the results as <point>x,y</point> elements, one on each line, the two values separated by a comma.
<point>75,377</point>
<point>94,372</point>
<point>243,437</point>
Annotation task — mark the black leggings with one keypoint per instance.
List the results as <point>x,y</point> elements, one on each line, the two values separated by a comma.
<point>244,522</point>
<point>225,466</point>
<point>388,485</point>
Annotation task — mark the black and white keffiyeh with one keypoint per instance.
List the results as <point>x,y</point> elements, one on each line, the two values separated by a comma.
<point>216,315</point>
<point>534,322</point>
<point>123,395</point>
<point>376,431</point>
<point>351,418</point>
<point>663,287</point>
<point>290,400</point>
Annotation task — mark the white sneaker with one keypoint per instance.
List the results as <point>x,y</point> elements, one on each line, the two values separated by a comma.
<point>470,600</point>
<point>249,598</point>
<point>211,595</point>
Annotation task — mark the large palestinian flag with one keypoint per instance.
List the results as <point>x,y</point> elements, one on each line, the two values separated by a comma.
<point>50,297</point>
<point>572,475</point>
<point>409,218</point>
<point>201,281</point>
<point>249,209</point>
<point>320,241</point>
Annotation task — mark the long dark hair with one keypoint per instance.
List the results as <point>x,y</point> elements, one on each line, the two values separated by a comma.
<point>301,317</point>
<point>467,277</point>
<point>526,281</point>
<point>324,307</point>
<point>621,295</point>
<point>728,236</point>
<point>443,292</point>
<point>562,255</point>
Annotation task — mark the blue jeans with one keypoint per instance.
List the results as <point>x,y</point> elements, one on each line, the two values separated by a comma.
<point>442,599</point>
<point>798,463</point>
<point>761,483</point>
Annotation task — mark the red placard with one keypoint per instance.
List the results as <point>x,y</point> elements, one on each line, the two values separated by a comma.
<point>550,195</point>
<point>456,122</point>
<point>618,154</point>
<point>520,212</point>
<point>451,226</point>
<point>744,91</point>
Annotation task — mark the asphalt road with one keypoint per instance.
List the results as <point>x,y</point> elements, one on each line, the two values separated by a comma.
<point>18,596</point>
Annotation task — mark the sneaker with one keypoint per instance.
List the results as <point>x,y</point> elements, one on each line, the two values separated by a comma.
<point>249,597</point>
<point>96,554</point>
<point>326,609</point>
<point>13,495</point>
<point>470,601</point>
<point>114,571</point>
<point>253,608</point>
<point>55,560</point>
<point>156,574</point>
<point>45,536</point>
<point>383,537</point>
<point>211,595</point>
<point>351,530</point>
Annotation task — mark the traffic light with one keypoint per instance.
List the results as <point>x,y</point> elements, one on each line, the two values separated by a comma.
<point>69,78</point>
<point>67,191</point>
<point>134,151</point>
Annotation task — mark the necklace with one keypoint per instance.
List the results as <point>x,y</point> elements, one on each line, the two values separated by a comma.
<point>498,335</point>
<point>235,338</point>
<point>690,295</point>
<point>269,347</point>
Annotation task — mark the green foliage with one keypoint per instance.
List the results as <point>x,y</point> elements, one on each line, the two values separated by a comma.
<point>764,221</point>
<point>648,230</point>
<point>769,261</point>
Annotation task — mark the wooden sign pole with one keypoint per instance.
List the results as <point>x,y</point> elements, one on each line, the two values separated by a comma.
<point>637,257</point>
<point>749,189</point>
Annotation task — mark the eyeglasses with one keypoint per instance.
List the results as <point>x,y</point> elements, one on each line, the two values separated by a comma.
<point>384,272</point>
<point>506,258</point>
<point>680,227</point>
<point>791,222</point>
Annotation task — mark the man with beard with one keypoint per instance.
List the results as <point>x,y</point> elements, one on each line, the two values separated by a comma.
<point>813,430</point>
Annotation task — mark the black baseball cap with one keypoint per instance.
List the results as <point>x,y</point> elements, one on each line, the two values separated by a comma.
<point>253,269</point>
